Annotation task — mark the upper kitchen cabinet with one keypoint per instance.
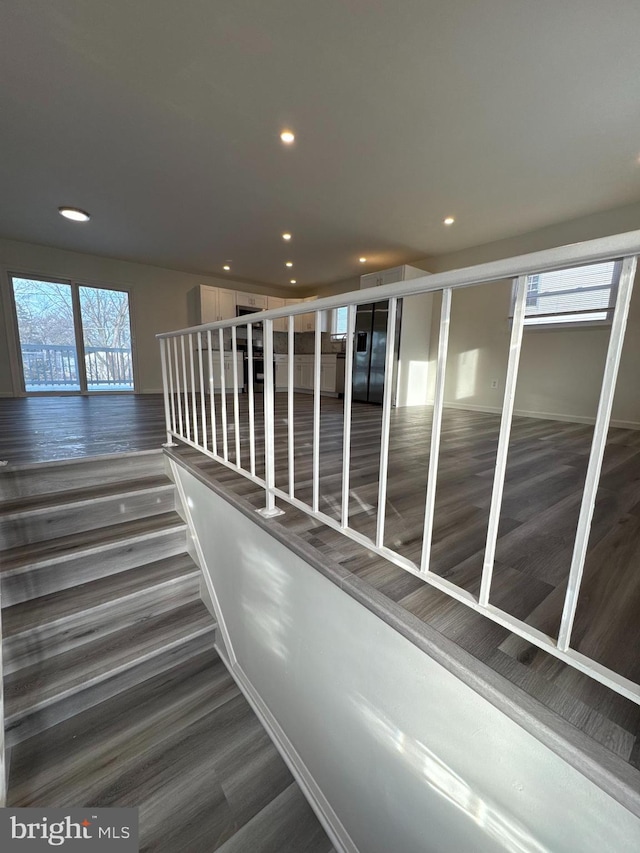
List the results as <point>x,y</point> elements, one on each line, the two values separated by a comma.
<point>402,273</point>
<point>210,304</point>
<point>277,302</point>
<point>307,322</point>
<point>251,300</point>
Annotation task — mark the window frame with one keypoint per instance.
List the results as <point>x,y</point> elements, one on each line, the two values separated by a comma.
<point>587,322</point>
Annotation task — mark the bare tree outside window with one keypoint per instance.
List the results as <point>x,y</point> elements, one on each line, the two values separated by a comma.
<point>45,314</point>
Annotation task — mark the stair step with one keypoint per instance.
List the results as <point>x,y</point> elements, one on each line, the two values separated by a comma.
<point>48,517</point>
<point>35,689</point>
<point>31,571</point>
<point>286,825</point>
<point>77,758</point>
<point>21,481</point>
<point>52,624</point>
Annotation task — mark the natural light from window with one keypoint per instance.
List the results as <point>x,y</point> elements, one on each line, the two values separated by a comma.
<point>573,296</point>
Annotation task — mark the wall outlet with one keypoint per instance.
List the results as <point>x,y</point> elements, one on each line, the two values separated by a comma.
<point>494,383</point>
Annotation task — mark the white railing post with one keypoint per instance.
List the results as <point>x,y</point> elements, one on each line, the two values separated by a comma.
<point>387,398</point>
<point>212,396</point>
<point>436,429</point>
<point>598,445</point>
<point>346,430</point>
<point>270,509</point>
<point>223,398</point>
<point>165,390</point>
<point>503,438</point>
<point>252,427</point>
<point>178,390</point>
<point>317,374</point>
<point>290,412</point>
<point>236,401</point>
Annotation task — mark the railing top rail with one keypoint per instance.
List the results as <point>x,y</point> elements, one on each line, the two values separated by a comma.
<point>574,254</point>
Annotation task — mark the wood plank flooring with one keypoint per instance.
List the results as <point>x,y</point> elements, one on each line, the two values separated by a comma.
<point>188,751</point>
<point>546,470</point>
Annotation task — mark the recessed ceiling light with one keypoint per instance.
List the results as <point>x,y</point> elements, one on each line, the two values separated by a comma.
<point>74,213</point>
<point>287,137</point>
<point>226,267</point>
<point>286,236</point>
<point>293,281</point>
<point>289,264</point>
<point>362,260</point>
<point>448,221</point>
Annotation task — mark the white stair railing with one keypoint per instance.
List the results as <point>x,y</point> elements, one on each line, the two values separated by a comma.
<point>184,414</point>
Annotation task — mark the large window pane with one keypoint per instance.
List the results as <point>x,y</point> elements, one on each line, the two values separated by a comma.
<point>106,331</point>
<point>47,337</point>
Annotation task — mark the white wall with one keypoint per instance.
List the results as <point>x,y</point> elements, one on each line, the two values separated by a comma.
<point>158,297</point>
<point>398,752</point>
<point>560,370</point>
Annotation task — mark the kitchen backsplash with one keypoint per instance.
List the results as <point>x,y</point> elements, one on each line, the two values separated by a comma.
<point>305,343</point>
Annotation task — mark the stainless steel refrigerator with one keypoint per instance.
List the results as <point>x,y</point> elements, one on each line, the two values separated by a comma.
<point>370,348</point>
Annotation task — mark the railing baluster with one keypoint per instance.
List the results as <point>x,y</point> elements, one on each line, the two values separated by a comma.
<point>178,397</point>
<point>223,399</point>
<point>598,445</point>
<point>317,367</point>
<point>436,430</point>
<point>290,410</point>
<point>186,389</point>
<point>502,452</point>
<point>346,430</point>
<point>212,396</point>
<point>203,408</point>
<point>387,398</point>
<point>236,402</point>
<point>193,390</point>
<point>165,391</point>
<point>270,509</point>
<point>252,427</point>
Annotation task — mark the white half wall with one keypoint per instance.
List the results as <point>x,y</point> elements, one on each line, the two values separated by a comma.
<point>397,752</point>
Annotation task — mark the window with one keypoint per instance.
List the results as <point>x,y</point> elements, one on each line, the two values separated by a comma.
<point>72,338</point>
<point>339,319</point>
<point>571,297</point>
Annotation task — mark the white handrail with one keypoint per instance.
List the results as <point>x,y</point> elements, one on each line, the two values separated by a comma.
<point>625,246</point>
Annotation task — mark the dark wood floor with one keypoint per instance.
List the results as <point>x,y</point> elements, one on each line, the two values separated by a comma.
<point>546,470</point>
<point>43,429</point>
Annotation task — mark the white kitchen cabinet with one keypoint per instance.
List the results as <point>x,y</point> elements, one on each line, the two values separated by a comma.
<point>213,304</point>
<point>251,300</point>
<point>227,363</point>
<point>281,374</point>
<point>401,273</point>
<point>277,302</point>
<point>328,377</point>
<point>303,367</point>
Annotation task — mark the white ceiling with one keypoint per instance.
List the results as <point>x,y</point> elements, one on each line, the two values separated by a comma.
<point>162,118</point>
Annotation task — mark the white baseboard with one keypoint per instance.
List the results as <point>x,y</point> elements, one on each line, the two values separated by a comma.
<point>331,823</point>
<point>544,416</point>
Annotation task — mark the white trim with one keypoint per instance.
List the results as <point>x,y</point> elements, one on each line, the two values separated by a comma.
<point>543,416</point>
<point>201,561</point>
<point>330,821</point>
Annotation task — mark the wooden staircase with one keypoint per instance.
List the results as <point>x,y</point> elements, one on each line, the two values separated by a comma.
<point>114,693</point>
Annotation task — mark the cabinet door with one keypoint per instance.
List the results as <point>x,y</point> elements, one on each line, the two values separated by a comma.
<point>297,369</point>
<point>282,370</point>
<point>226,304</point>
<point>228,374</point>
<point>208,304</point>
<point>307,375</point>
<point>277,302</point>
<point>328,378</point>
